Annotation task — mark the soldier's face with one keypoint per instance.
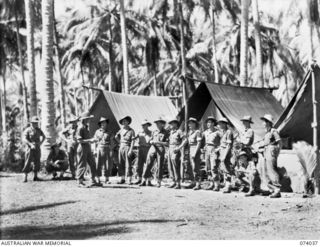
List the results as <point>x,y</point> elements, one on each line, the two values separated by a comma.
<point>192,125</point>
<point>160,125</point>
<point>145,127</point>
<point>222,125</point>
<point>125,122</point>
<point>209,124</point>
<point>104,124</point>
<point>34,125</point>
<point>56,149</point>
<point>74,124</point>
<point>266,124</point>
<point>246,124</point>
<point>173,125</point>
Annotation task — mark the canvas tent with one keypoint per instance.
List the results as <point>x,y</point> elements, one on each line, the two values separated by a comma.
<point>233,103</point>
<point>296,120</point>
<point>116,105</point>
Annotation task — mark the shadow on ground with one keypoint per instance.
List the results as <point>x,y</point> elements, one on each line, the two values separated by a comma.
<point>37,207</point>
<point>79,231</point>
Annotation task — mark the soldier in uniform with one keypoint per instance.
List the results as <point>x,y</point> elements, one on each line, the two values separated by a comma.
<point>84,153</point>
<point>156,153</point>
<point>174,153</point>
<point>193,139</point>
<point>212,142</point>
<point>33,137</point>
<point>125,137</point>
<point>104,144</point>
<point>57,161</point>
<point>225,154</point>
<point>141,150</point>
<point>69,136</point>
<point>271,148</point>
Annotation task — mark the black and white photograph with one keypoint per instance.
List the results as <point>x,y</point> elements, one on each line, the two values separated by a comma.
<point>159,120</point>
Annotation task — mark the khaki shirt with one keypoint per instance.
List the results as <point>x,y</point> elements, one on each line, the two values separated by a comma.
<point>102,137</point>
<point>126,136</point>
<point>226,138</point>
<point>194,136</point>
<point>83,134</point>
<point>33,135</point>
<point>247,137</point>
<point>70,134</point>
<point>212,138</point>
<point>176,137</point>
<point>54,157</point>
<point>159,136</point>
<point>143,139</point>
<point>271,137</point>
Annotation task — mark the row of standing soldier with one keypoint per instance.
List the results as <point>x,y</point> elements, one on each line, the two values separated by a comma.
<point>151,148</point>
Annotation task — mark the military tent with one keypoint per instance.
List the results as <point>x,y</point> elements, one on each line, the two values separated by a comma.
<point>233,103</point>
<point>296,120</point>
<point>116,105</point>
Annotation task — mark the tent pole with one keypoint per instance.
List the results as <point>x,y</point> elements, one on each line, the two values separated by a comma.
<point>315,130</point>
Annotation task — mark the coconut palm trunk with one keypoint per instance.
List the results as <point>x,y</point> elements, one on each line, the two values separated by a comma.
<point>310,31</point>
<point>48,106</point>
<point>244,43</point>
<point>3,103</point>
<point>213,44</point>
<point>124,48</point>
<point>62,98</point>
<point>21,63</point>
<point>257,37</point>
<point>110,56</point>
<point>31,57</point>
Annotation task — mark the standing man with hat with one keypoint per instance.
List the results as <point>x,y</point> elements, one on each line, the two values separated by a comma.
<point>69,136</point>
<point>125,137</point>
<point>212,142</point>
<point>271,149</point>
<point>57,161</point>
<point>33,137</point>
<point>225,154</point>
<point>143,145</point>
<point>104,141</point>
<point>174,153</point>
<point>84,153</point>
<point>156,152</point>
<point>193,139</point>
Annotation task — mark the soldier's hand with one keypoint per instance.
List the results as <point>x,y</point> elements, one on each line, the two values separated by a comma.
<point>176,150</point>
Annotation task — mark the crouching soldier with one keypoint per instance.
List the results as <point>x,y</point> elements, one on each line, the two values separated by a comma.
<point>57,161</point>
<point>125,137</point>
<point>104,141</point>
<point>225,154</point>
<point>271,149</point>
<point>174,153</point>
<point>141,150</point>
<point>69,136</point>
<point>156,153</point>
<point>212,142</point>
<point>84,153</point>
<point>33,137</point>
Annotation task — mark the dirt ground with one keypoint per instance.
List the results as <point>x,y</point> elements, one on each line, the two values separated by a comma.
<point>61,210</point>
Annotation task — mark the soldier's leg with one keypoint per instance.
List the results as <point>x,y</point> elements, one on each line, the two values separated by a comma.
<point>171,167</point>
<point>141,160</point>
<point>196,170</point>
<point>160,164</point>
<point>128,165</point>
<point>227,170</point>
<point>36,163</point>
<point>99,162</point>
<point>215,171</point>
<point>176,169</point>
<point>147,175</point>
<point>272,173</point>
<point>92,165</point>
<point>108,166</point>
<point>71,157</point>
<point>27,164</point>
<point>122,164</point>
<point>82,163</point>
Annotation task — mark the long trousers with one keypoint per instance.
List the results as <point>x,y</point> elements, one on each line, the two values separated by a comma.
<point>32,155</point>
<point>157,155</point>
<point>140,159</point>
<point>212,162</point>
<point>72,155</point>
<point>174,164</point>
<point>125,162</point>
<point>85,156</point>
<point>104,161</point>
<point>271,154</point>
<point>194,159</point>
<point>226,165</point>
<point>60,166</point>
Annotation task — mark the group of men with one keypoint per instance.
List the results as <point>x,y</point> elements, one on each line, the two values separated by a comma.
<point>147,149</point>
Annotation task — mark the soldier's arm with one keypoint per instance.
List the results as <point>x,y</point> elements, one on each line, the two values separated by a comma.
<point>26,138</point>
<point>199,139</point>
<point>43,137</point>
<point>132,141</point>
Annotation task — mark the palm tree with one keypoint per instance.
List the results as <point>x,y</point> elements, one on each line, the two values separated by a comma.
<point>48,106</point>
<point>259,64</point>
<point>124,48</point>
<point>244,43</point>
<point>214,46</point>
<point>31,57</point>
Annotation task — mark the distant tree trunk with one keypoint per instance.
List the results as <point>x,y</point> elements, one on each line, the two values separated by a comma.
<point>214,48</point>
<point>244,43</point>
<point>23,81</point>
<point>310,18</point>
<point>110,56</point>
<point>30,52</point>
<point>183,65</point>
<point>124,48</point>
<point>48,106</point>
<point>62,97</point>
<point>3,102</point>
<point>259,68</point>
